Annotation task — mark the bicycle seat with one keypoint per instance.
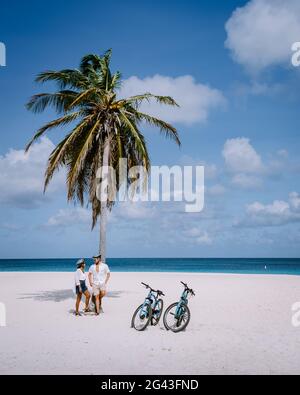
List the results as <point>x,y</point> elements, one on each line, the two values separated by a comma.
<point>160,293</point>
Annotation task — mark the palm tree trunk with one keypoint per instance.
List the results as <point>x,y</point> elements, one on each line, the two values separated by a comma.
<point>103,215</point>
<point>103,225</point>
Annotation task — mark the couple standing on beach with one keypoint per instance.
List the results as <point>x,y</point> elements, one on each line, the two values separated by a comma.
<point>98,277</point>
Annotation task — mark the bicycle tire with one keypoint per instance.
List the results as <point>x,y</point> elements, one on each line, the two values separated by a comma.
<point>155,321</point>
<point>146,322</point>
<point>180,329</point>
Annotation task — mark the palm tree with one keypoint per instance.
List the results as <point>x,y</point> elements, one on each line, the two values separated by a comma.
<point>103,127</point>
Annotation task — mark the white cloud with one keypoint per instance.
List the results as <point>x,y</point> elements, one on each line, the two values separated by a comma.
<point>248,169</point>
<point>124,211</point>
<point>241,157</point>
<point>11,227</point>
<point>275,214</point>
<point>198,236</point>
<point>278,207</point>
<point>246,181</point>
<point>295,201</point>
<point>70,217</point>
<point>22,175</point>
<point>196,100</point>
<point>133,210</point>
<point>137,211</point>
<point>261,33</point>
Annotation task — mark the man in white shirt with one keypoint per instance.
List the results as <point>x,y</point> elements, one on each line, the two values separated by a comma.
<point>99,275</point>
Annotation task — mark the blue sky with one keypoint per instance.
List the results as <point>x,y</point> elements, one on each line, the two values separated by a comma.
<point>239,95</point>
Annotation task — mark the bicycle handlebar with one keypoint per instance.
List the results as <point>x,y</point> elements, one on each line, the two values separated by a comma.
<point>188,289</point>
<point>160,293</point>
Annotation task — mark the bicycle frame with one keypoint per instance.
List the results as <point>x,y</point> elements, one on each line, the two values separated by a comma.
<point>151,300</point>
<point>183,302</point>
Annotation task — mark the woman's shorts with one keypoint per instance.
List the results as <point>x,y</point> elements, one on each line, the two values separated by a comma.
<point>82,288</point>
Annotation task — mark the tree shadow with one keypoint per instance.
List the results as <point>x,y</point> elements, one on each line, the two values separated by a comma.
<point>61,295</point>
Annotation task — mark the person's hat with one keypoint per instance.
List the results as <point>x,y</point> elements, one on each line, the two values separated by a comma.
<point>97,256</point>
<point>80,262</point>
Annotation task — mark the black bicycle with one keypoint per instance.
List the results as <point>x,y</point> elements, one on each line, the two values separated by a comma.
<point>150,311</point>
<point>178,315</point>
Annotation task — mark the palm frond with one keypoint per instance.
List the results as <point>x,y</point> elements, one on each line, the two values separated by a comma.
<point>64,78</point>
<point>138,99</point>
<point>90,62</point>
<point>64,150</point>
<point>66,119</point>
<point>82,98</point>
<point>116,80</point>
<point>78,159</point>
<point>60,101</point>
<point>137,137</point>
<point>164,127</point>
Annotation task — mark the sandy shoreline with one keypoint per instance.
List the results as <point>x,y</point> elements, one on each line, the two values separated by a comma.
<point>241,324</point>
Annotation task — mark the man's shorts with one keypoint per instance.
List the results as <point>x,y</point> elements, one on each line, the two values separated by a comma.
<point>97,288</point>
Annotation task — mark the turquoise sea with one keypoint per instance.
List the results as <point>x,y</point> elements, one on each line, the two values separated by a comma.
<point>193,265</point>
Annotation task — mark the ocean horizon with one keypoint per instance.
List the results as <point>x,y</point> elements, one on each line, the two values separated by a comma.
<point>288,266</point>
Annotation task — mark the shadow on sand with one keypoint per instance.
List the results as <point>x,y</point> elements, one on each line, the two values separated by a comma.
<point>61,295</point>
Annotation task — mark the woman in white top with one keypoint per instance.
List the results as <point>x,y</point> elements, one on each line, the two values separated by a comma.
<point>81,288</point>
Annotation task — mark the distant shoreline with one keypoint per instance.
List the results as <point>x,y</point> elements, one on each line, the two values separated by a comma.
<point>277,266</point>
<point>145,273</point>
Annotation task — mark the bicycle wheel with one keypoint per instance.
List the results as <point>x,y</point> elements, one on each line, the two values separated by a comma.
<point>141,317</point>
<point>157,312</point>
<point>177,321</point>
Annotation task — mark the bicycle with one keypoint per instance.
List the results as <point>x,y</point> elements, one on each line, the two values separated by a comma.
<point>178,315</point>
<point>148,312</point>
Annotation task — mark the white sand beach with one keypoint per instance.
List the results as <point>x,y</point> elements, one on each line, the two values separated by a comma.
<point>240,325</point>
